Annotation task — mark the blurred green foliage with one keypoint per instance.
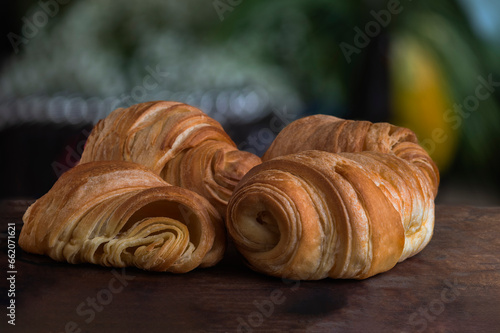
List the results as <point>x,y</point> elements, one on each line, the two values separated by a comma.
<point>291,48</point>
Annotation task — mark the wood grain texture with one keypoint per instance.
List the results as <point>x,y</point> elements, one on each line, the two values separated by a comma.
<point>414,296</point>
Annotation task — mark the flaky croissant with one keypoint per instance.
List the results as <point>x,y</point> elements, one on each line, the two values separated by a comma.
<point>335,198</point>
<point>335,135</point>
<point>119,214</point>
<point>315,214</point>
<point>179,142</point>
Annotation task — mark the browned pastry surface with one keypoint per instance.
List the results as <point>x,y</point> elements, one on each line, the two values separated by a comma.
<point>335,135</point>
<point>335,198</point>
<point>117,213</point>
<point>316,214</point>
<point>179,142</point>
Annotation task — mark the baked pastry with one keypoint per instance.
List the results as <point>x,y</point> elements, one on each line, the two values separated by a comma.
<point>335,135</point>
<point>117,213</point>
<point>316,214</point>
<point>335,198</point>
<point>179,142</point>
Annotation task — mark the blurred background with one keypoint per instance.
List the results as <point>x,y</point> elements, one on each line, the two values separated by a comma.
<point>255,66</point>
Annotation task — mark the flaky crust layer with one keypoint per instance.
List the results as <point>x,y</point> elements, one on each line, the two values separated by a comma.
<point>335,198</point>
<point>116,213</point>
<point>336,135</point>
<point>177,141</point>
<point>315,214</point>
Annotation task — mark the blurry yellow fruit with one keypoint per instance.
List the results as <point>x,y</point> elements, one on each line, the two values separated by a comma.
<point>420,96</point>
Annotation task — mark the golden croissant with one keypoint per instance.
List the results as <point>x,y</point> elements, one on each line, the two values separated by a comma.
<point>311,214</point>
<point>335,135</point>
<point>117,213</point>
<point>179,142</point>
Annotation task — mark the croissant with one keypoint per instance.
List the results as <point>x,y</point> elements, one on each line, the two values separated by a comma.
<point>335,198</point>
<point>315,214</point>
<point>179,142</point>
<point>335,135</point>
<point>117,213</point>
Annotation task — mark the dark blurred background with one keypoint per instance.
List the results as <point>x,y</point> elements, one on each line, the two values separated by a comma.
<point>254,65</point>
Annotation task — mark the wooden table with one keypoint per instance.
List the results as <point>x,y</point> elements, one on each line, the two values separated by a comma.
<point>453,285</point>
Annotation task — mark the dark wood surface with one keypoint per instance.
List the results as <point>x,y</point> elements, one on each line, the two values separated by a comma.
<point>453,285</point>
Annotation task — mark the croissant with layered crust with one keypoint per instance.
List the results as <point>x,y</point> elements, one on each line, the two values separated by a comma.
<point>335,135</point>
<point>335,198</point>
<point>117,213</point>
<point>315,214</point>
<point>179,142</point>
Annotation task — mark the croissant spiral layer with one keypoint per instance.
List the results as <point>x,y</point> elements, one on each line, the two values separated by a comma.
<point>315,214</point>
<point>116,213</point>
